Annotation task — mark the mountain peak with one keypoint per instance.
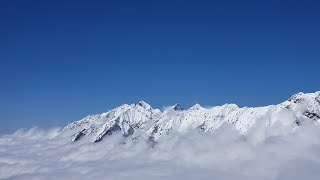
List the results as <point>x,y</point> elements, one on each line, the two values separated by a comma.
<point>302,97</point>
<point>296,97</point>
<point>196,107</point>
<point>143,104</point>
<point>177,107</point>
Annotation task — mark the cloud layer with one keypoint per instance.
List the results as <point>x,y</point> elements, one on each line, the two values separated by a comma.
<point>270,153</point>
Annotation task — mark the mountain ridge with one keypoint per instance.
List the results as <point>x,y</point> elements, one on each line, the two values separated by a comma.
<point>141,121</point>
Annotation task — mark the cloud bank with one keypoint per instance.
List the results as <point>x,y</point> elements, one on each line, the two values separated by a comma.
<point>263,153</point>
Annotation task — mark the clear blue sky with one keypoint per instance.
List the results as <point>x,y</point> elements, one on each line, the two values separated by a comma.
<point>62,60</point>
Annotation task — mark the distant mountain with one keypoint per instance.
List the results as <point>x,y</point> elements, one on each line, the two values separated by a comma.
<point>141,122</point>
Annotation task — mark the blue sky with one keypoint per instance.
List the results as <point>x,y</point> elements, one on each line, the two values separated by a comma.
<point>62,60</point>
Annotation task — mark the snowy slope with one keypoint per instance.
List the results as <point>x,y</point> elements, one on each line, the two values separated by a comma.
<point>141,121</point>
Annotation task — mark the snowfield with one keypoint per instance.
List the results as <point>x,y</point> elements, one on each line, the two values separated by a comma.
<point>138,142</point>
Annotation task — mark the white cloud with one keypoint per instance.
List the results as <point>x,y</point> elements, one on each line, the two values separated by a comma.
<point>270,154</point>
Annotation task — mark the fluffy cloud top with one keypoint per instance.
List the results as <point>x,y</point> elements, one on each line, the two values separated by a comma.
<point>270,153</point>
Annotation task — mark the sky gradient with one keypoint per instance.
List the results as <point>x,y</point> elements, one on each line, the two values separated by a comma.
<point>62,60</point>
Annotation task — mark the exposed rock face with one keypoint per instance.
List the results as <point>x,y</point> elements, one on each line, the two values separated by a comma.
<point>141,121</point>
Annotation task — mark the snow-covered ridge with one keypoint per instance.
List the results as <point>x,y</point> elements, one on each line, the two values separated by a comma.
<point>141,121</point>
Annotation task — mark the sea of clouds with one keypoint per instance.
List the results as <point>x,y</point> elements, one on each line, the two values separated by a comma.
<point>270,153</point>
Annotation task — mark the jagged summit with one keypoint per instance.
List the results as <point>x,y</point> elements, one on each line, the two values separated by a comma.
<point>177,107</point>
<point>141,121</point>
<point>143,104</point>
<point>300,97</point>
<point>196,107</point>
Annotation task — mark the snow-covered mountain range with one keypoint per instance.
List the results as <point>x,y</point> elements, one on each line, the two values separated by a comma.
<point>137,141</point>
<point>141,121</point>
